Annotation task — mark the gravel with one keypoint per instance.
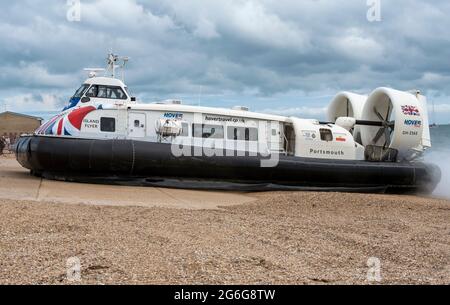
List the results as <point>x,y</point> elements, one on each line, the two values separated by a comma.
<point>280,238</point>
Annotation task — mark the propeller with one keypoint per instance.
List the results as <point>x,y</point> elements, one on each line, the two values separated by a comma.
<point>386,129</point>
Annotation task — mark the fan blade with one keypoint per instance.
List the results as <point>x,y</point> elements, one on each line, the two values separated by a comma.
<point>378,114</point>
<point>378,135</point>
<point>387,137</point>
<point>388,111</point>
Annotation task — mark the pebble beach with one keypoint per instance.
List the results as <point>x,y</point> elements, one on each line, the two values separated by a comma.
<point>128,235</point>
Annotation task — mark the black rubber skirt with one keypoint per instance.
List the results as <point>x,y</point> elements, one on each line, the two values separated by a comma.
<point>143,163</point>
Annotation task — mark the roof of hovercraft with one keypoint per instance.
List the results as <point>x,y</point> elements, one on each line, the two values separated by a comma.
<point>103,80</point>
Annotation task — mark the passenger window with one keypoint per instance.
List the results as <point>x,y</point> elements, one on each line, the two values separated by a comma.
<point>326,134</point>
<point>207,131</point>
<point>108,124</point>
<point>242,134</point>
<point>253,134</point>
<point>233,133</point>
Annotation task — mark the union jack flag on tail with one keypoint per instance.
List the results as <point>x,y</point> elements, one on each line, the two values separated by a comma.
<point>410,110</point>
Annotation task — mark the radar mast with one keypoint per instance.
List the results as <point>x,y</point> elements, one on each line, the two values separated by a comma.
<point>113,62</point>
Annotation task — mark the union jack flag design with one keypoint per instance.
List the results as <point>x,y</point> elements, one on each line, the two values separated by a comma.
<point>410,110</point>
<point>66,123</point>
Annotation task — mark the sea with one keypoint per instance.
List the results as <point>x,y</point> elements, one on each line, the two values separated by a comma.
<point>439,154</point>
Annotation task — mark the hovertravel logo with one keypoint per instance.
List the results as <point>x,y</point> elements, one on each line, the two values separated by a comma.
<point>173,115</point>
<point>414,123</point>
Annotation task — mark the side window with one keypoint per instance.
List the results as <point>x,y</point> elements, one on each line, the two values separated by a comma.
<point>233,133</point>
<point>108,124</point>
<point>207,131</point>
<point>242,133</point>
<point>184,130</point>
<point>326,134</point>
<point>92,92</point>
<point>137,123</point>
<point>253,134</point>
<point>213,131</point>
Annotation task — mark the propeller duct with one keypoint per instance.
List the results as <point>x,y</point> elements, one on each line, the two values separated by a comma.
<point>347,104</point>
<point>400,118</point>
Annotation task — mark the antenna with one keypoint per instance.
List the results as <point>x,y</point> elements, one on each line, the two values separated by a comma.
<point>114,62</point>
<point>125,59</point>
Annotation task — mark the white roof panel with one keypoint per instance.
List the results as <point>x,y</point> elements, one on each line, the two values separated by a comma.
<point>107,81</point>
<point>208,110</point>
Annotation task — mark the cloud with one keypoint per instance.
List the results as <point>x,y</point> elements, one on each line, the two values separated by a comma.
<point>124,16</point>
<point>357,45</point>
<point>252,21</point>
<point>441,108</point>
<point>32,76</point>
<point>206,29</point>
<point>255,49</point>
<point>33,102</point>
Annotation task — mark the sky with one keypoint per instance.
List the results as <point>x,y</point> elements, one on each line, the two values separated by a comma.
<point>275,56</point>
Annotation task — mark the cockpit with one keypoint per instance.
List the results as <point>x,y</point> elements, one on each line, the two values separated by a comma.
<point>110,92</point>
<point>79,93</point>
<point>100,89</point>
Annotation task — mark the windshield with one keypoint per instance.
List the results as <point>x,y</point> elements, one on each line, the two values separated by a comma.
<point>127,91</point>
<point>81,90</point>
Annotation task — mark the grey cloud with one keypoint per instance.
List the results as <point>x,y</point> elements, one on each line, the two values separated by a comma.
<point>240,47</point>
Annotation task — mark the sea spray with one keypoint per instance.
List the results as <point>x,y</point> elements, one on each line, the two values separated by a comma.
<point>441,159</point>
<point>439,154</point>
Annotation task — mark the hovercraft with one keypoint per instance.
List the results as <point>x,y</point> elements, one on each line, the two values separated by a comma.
<point>369,143</point>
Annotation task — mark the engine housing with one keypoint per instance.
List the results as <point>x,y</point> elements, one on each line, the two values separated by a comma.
<point>404,110</point>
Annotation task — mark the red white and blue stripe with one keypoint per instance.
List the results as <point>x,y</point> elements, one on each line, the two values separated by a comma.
<point>66,123</point>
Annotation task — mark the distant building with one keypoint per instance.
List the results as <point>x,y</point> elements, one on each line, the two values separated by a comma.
<point>12,124</point>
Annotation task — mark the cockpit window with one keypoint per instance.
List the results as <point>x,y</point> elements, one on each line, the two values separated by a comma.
<point>81,90</point>
<point>106,92</point>
<point>116,93</point>
<point>102,92</point>
<point>93,91</point>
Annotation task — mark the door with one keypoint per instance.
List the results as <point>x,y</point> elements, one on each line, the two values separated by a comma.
<point>136,124</point>
<point>274,136</point>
